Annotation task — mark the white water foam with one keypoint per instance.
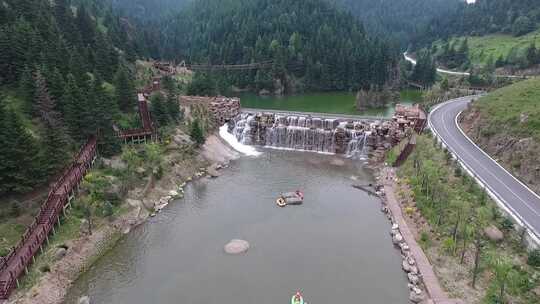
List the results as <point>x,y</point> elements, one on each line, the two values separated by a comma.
<point>235,144</point>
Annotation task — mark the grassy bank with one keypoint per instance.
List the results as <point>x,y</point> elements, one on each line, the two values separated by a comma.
<point>514,109</point>
<point>481,48</point>
<point>451,215</point>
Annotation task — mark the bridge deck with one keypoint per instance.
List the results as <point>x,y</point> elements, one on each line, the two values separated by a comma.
<point>316,114</point>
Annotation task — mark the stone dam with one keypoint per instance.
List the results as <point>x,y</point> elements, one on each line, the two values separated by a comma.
<point>355,138</point>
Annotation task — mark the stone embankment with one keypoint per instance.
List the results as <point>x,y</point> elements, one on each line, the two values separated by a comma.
<point>423,284</point>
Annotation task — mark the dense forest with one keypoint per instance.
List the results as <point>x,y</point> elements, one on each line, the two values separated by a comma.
<point>63,76</point>
<point>312,45</point>
<point>404,21</point>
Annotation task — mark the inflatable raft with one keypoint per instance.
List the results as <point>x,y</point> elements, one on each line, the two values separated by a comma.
<point>297,299</point>
<point>290,198</point>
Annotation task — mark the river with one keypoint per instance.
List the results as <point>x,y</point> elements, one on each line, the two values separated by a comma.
<point>329,102</point>
<point>335,247</point>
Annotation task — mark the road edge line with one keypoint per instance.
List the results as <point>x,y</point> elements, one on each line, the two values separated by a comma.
<point>534,236</point>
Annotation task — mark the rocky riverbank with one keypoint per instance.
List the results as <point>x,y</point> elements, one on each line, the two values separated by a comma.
<point>423,284</point>
<point>140,203</point>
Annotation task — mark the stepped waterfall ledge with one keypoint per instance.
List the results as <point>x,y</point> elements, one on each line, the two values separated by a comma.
<point>354,138</point>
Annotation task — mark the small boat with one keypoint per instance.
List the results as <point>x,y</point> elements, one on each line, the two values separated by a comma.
<point>290,198</point>
<point>297,298</point>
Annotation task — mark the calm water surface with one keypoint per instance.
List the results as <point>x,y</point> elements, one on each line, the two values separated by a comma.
<point>330,102</point>
<point>335,248</point>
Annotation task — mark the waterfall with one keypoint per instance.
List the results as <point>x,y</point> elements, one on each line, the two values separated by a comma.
<point>302,133</point>
<point>357,146</point>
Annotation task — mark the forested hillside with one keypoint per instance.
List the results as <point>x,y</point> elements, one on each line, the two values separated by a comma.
<point>63,76</point>
<point>148,10</point>
<point>313,45</point>
<point>405,21</point>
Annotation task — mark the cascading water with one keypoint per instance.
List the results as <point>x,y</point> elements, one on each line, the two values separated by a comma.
<point>303,133</point>
<point>357,147</point>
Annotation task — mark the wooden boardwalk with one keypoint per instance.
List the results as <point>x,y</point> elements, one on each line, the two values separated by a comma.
<point>140,135</point>
<point>16,263</point>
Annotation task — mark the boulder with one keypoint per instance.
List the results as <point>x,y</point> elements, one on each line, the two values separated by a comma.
<point>84,300</point>
<point>493,233</point>
<point>413,278</point>
<point>416,297</point>
<point>397,238</point>
<point>140,170</point>
<point>60,253</point>
<point>236,247</point>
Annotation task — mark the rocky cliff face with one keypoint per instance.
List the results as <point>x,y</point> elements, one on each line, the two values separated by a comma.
<point>518,155</point>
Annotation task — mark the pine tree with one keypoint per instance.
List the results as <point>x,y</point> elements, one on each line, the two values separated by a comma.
<point>54,135</point>
<point>196,132</point>
<point>73,104</point>
<point>104,110</point>
<point>46,106</point>
<point>56,85</point>
<point>27,90</point>
<point>125,90</point>
<point>20,169</point>
<point>159,109</point>
<point>173,108</point>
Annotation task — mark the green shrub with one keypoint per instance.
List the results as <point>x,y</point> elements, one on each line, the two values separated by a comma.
<point>507,224</point>
<point>449,246</point>
<point>107,209</point>
<point>4,252</point>
<point>425,240</point>
<point>534,258</point>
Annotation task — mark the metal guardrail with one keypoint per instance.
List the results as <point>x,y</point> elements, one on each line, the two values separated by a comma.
<point>535,236</point>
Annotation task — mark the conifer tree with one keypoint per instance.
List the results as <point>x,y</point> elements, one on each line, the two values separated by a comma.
<point>73,104</point>
<point>173,108</point>
<point>54,135</point>
<point>20,169</point>
<point>104,109</point>
<point>125,90</point>
<point>27,90</point>
<point>196,132</point>
<point>159,109</point>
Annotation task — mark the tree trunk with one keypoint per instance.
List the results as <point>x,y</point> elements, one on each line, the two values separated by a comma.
<point>464,249</point>
<point>476,262</point>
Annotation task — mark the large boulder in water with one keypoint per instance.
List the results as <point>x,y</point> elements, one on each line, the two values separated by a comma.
<point>236,247</point>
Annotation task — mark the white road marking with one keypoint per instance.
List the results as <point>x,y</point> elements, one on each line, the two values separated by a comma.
<point>485,168</point>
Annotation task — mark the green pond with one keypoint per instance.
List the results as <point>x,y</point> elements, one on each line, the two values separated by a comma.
<point>328,102</point>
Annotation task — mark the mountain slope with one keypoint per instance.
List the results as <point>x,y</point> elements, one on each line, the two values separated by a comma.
<point>306,39</point>
<point>506,124</point>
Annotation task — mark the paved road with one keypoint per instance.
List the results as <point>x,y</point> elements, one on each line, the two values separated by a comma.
<point>444,71</point>
<point>514,195</point>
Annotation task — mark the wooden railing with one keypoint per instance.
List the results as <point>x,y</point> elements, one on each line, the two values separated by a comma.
<point>15,264</point>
